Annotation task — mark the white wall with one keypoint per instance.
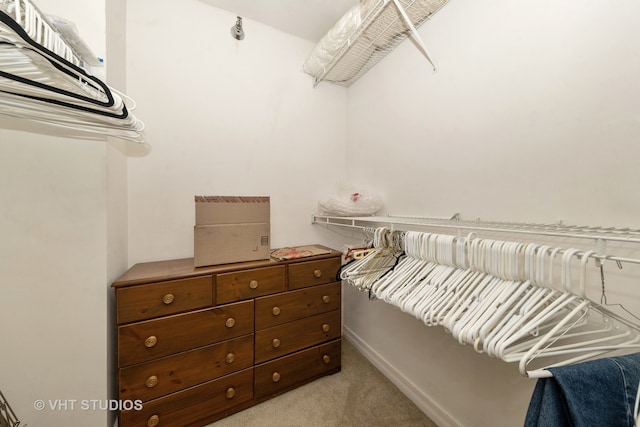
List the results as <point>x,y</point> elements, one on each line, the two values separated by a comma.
<point>53,259</point>
<point>116,187</point>
<point>225,117</point>
<point>533,115</point>
<point>117,209</point>
<point>530,116</point>
<point>53,275</point>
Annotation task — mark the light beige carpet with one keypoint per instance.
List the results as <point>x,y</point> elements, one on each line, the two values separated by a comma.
<point>358,396</point>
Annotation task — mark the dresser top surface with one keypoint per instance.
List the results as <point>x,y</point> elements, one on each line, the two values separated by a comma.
<point>148,272</point>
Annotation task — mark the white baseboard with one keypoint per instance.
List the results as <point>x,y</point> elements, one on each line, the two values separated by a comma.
<point>413,392</point>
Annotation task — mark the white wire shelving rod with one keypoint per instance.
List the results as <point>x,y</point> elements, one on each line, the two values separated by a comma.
<point>599,234</point>
<point>550,230</point>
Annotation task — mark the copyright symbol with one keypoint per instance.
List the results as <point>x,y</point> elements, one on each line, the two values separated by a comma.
<point>39,405</point>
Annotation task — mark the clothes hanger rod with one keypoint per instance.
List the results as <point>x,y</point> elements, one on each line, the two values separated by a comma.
<point>612,234</point>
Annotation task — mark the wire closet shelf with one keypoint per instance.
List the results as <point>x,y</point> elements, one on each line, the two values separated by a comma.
<point>384,26</point>
<point>47,76</point>
<point>599,235</point>
<point>498,295</point>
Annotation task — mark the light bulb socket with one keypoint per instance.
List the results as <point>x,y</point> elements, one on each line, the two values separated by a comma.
<point>236,31</point>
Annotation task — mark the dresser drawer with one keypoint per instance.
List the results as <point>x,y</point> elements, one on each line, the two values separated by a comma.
<point>293,336</point>
<point>160,299</point>
<point>296,368</point>
<point>193,404</point>
<point>286,307</point>
<point>311,273</point>
<point>153,379</point>
<point>151,339</point>
<point>239,285</point>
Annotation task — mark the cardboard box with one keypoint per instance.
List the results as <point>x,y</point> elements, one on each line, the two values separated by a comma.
<point>231,229</point>
<point>215,210</point>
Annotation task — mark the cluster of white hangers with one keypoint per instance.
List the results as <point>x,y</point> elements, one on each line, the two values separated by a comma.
<point>365,271</point>
<point>43,79</point>
<point>518,302</point>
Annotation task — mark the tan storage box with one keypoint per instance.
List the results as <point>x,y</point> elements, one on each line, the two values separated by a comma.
<point>231,229</point>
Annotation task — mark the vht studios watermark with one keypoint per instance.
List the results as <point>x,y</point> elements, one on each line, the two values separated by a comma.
<point>87,405</point>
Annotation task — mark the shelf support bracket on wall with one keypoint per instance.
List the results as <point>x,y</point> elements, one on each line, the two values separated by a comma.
<point>414,32</point>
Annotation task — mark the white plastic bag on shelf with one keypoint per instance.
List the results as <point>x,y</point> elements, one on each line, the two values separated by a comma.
<point>351,202</point>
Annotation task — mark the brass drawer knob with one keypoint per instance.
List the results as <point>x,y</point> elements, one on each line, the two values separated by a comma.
<point>326,327</point>
<point>230,358</point>
<point>151,341</point>
<point>153,421</point>
<point>326,299</point>
<point>253,284</point>
<point>275,311</point>
<point>151,382</point>
<point>231,392</point>
<point>230,323</point>
<point>317,273</point>
<point>275,343</point>
<point>275,377</point>
<point>168,299</point>
<point>326,359</point>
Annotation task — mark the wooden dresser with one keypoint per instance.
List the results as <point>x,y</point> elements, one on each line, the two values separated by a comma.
<point>198,344</point>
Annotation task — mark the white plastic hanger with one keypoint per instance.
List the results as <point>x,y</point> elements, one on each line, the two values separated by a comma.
<point>433,311</point>
<point>604,333</point>
<point>565,309</point>
<point>412,278</point>
<point>364,273</point>
<point>55,90</point>
<point>506,294</point>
